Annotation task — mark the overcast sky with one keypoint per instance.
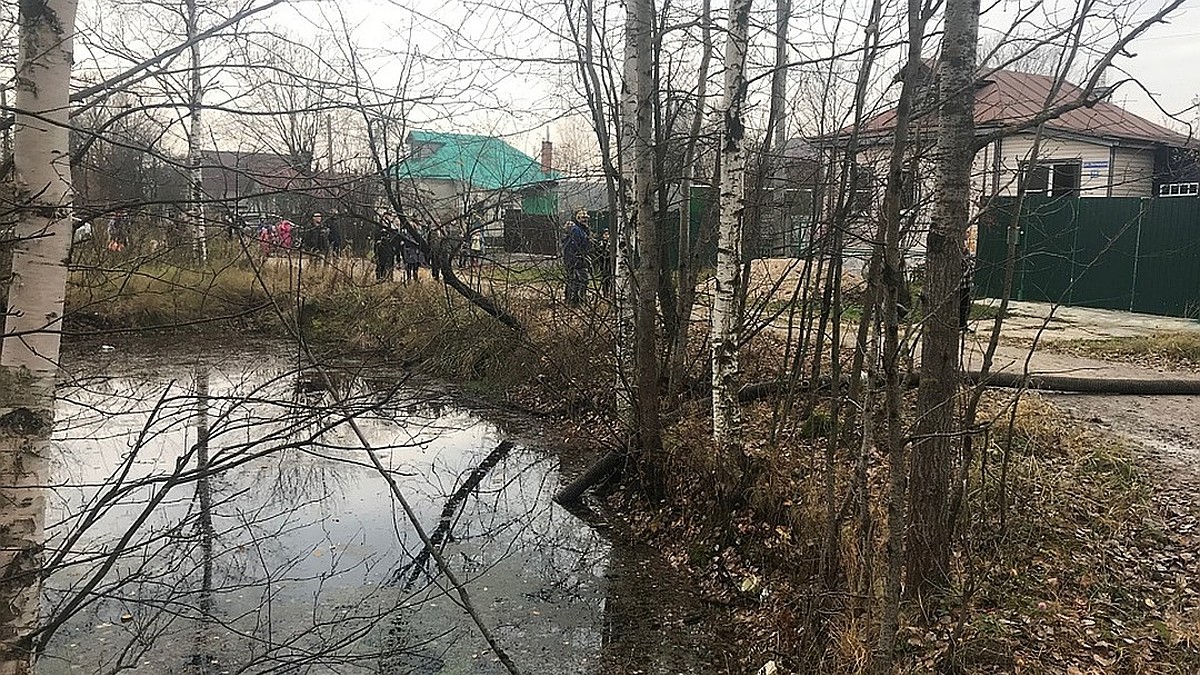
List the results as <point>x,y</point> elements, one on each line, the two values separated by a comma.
<point>1167,63</point>
<point>485,64</point>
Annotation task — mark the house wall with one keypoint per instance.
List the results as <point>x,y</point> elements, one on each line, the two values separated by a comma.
<point>1133,172</point>
<point>915,221</point>
<point>1127,171</point>
<point>441,197</point>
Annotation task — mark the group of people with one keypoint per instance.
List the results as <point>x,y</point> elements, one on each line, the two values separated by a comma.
<point>282,236</point>
<point>584,258</point>
<point>426,244</point>
<point>274,236</point>
<point>401,242</point>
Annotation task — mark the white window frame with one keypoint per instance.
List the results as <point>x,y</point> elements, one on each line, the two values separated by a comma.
<point>1179,190</point>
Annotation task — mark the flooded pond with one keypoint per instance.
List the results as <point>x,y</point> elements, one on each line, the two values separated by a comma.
<point>275,545</point>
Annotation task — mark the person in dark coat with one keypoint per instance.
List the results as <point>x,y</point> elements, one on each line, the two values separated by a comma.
<point>336,239</point>
<point>576,246</point>
<point>385,247</point>
<point>410,252</point>
<point>318,234</point>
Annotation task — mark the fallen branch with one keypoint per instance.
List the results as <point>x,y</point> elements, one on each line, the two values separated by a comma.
<point>608,467</point>
<point>1036,381</point>
<point>440,533</point>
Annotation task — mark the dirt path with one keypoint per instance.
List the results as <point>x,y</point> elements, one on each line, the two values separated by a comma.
<point>1167,428</point>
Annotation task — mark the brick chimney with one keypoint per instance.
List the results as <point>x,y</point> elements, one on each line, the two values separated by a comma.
<point>547,156</point>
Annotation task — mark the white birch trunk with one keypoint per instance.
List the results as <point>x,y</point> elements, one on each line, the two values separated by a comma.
<point>624,234</point>
<point>32,329</point>
<point>195,129</point>
<point>640,20</point>
<point>726,324</point>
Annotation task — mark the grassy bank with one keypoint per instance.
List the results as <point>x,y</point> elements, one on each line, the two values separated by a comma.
<point>1066,564</point>
<point>340,308</point>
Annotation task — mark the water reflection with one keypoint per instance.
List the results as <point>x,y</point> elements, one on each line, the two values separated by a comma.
<point>221,518</point>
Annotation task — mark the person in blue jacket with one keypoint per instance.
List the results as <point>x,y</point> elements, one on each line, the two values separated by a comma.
<point>576,246</point>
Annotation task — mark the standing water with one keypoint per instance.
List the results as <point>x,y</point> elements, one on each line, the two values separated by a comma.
<point>276,546</point>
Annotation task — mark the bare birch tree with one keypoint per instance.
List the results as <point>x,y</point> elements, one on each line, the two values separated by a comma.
<point>928,540</point>
<point>33,323</point>
<point>726,320</point>
<point>637,108</point>
<point>194,134</point>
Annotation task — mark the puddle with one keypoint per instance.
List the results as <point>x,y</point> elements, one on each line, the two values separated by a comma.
<point>288,554</point>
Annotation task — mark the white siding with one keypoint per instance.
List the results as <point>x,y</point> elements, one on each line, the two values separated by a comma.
<point>1095,158</point>
<point>1133,173</point>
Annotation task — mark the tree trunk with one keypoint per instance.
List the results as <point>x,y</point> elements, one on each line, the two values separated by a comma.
<point>33,323</point>
<point>928,539</point>
<point>726,324</point>
<point>195,129</point>
<point>890,283</point>
<point>625,234</point>
<point>639,170</point>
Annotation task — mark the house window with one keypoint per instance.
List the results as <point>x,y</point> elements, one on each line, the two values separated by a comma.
<point>1035,180</point>
<point>425,150</point>
<point>1053,179</point>
<point>862,190</point>
<point>1179,190</point>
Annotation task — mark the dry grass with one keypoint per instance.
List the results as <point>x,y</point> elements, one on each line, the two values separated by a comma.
<point>1172,350</point>
<point>1069,568</point>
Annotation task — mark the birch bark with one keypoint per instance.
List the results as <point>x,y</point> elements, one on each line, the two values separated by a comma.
<point>625,216</point>
<point>640,180</point>
<point>726,324</point>
<point>33,324</point>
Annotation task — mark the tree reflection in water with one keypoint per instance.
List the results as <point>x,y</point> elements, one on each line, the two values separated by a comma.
<point>220,520</point>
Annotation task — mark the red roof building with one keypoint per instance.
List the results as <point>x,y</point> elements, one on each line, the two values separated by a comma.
<point>1094,150</point>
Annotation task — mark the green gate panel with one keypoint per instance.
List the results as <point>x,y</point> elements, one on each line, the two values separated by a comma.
<point>1168,274</point>
<point>1047,241</point>
<point>1125,253</point>
<point>991,249</point>
<point>1104,255</point>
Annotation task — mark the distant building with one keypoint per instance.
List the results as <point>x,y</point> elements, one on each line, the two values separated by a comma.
<point>265,182</point>
<point>1097,150</point>
<point>455,175</point>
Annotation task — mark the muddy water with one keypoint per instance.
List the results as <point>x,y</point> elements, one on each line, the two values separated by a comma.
<point>277,547</point>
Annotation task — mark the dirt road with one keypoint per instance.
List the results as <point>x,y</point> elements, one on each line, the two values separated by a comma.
<point>1167,428</point>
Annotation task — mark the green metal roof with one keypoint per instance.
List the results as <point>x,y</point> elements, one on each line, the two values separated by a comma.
<point>482,161</point>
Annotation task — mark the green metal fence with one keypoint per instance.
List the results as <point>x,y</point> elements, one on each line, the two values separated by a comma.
<point>1126,253</point>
